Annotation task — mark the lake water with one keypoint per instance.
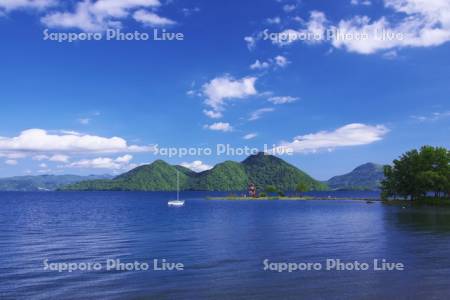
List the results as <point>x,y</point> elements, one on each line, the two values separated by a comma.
<point>222,245</point>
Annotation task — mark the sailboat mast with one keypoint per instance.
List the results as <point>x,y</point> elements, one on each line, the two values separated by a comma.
<point>178,185</point>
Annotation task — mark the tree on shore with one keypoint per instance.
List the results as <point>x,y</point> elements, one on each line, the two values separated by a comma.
<point>301,188</point>
<point>271,189</point>
<point>417,173</point>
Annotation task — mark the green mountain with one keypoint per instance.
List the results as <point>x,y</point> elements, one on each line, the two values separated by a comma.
<point>261,169</point>
<point>43,182</point>
<point>364,177</point>
<point>226,176</point>
<point>158,176</point>
<point>264,170</point>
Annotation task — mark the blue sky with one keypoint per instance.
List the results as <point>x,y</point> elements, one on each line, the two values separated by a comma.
<point>94,107</point>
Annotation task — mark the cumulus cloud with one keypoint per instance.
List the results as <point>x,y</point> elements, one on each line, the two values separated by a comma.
<point>222,89</point>
<point>9,5</point>
<point>219,126</point>
<point>410,23</point>
<point>212,114</point>
<point>361,2</point>
<point>315,29</point>
<point>403,24</point>
<point>282,99</point>
<point>118,163</point>
<point>196,166</point>
<point>55,147</point>
<point>103,14</point>
<point>424,24</point>
<point>250,41</point>
<point>257,114</point>
<point>281,61</point>
<point>260,65</point>
<point>151,19</point>
<point>250,136</point>
<point>355,134</point>
<point>277,61</point>
<point>289,7</point>
<point>274,20</point>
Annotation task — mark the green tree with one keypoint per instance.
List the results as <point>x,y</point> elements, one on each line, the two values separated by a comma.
<point>417,173</point>
<point>301,188</point>
<point>270,189</point>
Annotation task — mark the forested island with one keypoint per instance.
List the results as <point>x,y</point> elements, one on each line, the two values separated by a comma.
<point>417,176</point>
<point>261,169</point>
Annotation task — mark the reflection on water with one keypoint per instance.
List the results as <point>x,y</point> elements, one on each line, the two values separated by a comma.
<point>430,219</point>
<point>222,245</point>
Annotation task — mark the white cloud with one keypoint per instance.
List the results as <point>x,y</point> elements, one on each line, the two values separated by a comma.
<point>11,162</point>
<point>152,19</point>
<point>419,23</point>
<point>40,157</point>
<point>196,166</point>
<point>84,121</point>
<point>315,29</point>
<point>9,5</point>
<point>59,158</point>
<point>250,136</point>
<point>43,145</point>
<point>281,61</point>
<point>405,23</point>
<point>366,33</point>
<point>257,114</point>
<point>289,7</point>
<point>220,126</point>
<point>119,163</point>
<point>392,54</point>
<point>316,24</point>
<point>82,18</point>
<point>250,41</point>
<point>102,14</point>
<point>212,114</point>
<point>278,61</point>
<point>43,166</point>
<point>282,99</point>
<point>436,116</point>
<point>349,135</point>
<point>124,159</point>
<point>274,20</point>
<point>361,2</point>
<point>259,65</point>
<point>222,89</point>
<point>13,155</point>
<point>189,11</point>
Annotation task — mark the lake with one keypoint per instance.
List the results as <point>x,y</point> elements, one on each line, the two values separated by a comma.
<point>222,246</point>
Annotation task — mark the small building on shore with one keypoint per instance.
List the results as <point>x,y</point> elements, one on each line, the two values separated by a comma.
<point>251,190</point>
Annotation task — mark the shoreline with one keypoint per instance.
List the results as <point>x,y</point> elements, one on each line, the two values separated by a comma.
<point>307,198</point>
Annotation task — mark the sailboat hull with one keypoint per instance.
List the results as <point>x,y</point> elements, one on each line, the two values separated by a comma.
<point>176,203</point>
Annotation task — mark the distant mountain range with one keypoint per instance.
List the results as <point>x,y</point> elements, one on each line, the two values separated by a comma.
<point>260,169</point>
<point>364,177</point>
<point>43,182</point>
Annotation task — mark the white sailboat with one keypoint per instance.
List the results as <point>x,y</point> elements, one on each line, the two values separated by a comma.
<point>177,202</point>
